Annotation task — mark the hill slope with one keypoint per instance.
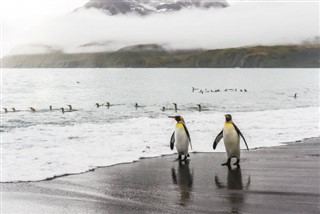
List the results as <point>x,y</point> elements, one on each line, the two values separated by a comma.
<point>144,57</point>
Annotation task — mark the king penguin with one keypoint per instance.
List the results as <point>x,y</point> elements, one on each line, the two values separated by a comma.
<point>231,136</point>
<point>181,138</point>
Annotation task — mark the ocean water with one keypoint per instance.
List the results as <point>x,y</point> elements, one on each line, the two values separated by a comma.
<point>43,144</point>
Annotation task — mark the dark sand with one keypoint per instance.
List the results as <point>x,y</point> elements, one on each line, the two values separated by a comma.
<point>283,179</point>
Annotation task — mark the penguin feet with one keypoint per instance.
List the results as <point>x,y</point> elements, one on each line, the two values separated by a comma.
<point>237,163</point>
<point>185,157</point>
<point>226,163</point>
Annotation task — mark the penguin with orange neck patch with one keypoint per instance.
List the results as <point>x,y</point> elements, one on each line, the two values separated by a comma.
<point>181,138</point>
<point>231,137</point>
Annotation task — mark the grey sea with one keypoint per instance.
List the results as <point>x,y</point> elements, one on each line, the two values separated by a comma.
<point>49,143</point>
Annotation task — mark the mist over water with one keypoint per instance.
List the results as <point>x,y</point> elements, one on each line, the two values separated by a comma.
<point>240,24</point>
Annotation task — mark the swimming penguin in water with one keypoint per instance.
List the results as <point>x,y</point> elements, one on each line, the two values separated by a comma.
<point>13,109</point>
<point>175,107</point>
<point>231,136</point>
<point>32,109</point>
<point>5,110</point>
<point>163,108</point>
<point>199,107</point>
<point>181,138</point>
<point>71,109</point>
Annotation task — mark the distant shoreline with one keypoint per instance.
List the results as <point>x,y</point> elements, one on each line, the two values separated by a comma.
<point>155,56</point>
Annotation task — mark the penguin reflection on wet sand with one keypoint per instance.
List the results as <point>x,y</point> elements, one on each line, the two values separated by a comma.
<point>231,136</point>
<point>181,138</point>
<point>234,182</point>
<point>184,180</point>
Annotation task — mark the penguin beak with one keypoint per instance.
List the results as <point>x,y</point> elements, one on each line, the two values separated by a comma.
<point>174,117</point>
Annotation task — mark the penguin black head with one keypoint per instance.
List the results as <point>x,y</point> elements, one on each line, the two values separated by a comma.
<point>177,118</point>
<point>228,117</point>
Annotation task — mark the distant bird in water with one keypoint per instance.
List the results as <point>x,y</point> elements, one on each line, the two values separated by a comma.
<point>199,106</point>
<point>32,109</point>
<point>181,138</point>
<point>194,89</point>
<point>175,107</point>
<point>5,110</point>
<point>62,110</point>
<point>136,105</point>
<point>98,105</point>
<point>108,104</point>
<point>71,109</point>
<point>50,107</point>
<point>245,90</point>
<point>163,108</point>
<point>13,109</point>
<point>231,136</point>
<point>295,96</point>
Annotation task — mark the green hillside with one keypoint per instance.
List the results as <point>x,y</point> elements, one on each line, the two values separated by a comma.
<point>293,56</point>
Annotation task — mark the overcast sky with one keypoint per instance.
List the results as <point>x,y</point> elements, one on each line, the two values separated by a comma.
<point>50,22</point>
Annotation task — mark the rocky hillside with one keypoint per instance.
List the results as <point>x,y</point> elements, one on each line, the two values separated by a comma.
<point>146,7</point>
<point>154,56</point>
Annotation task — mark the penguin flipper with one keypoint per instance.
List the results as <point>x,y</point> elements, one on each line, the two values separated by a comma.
<point>239,132</point>
<point>187,132</point>
<point>217,140</point>
<point>172,141</point>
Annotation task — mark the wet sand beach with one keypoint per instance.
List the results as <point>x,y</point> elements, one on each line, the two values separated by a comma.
<point>282,179</point>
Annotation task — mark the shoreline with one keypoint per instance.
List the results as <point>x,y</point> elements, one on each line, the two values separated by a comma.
<point>146,158</point>
<point>281,179</point>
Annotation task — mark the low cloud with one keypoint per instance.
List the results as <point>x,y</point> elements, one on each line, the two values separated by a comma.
<point>240,24</point>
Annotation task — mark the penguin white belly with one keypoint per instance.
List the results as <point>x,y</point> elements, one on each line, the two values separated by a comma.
<point>231,141</point>
<point>182,141</point>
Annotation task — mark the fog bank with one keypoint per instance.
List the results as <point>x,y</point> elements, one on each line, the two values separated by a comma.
<point>240,24</point>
